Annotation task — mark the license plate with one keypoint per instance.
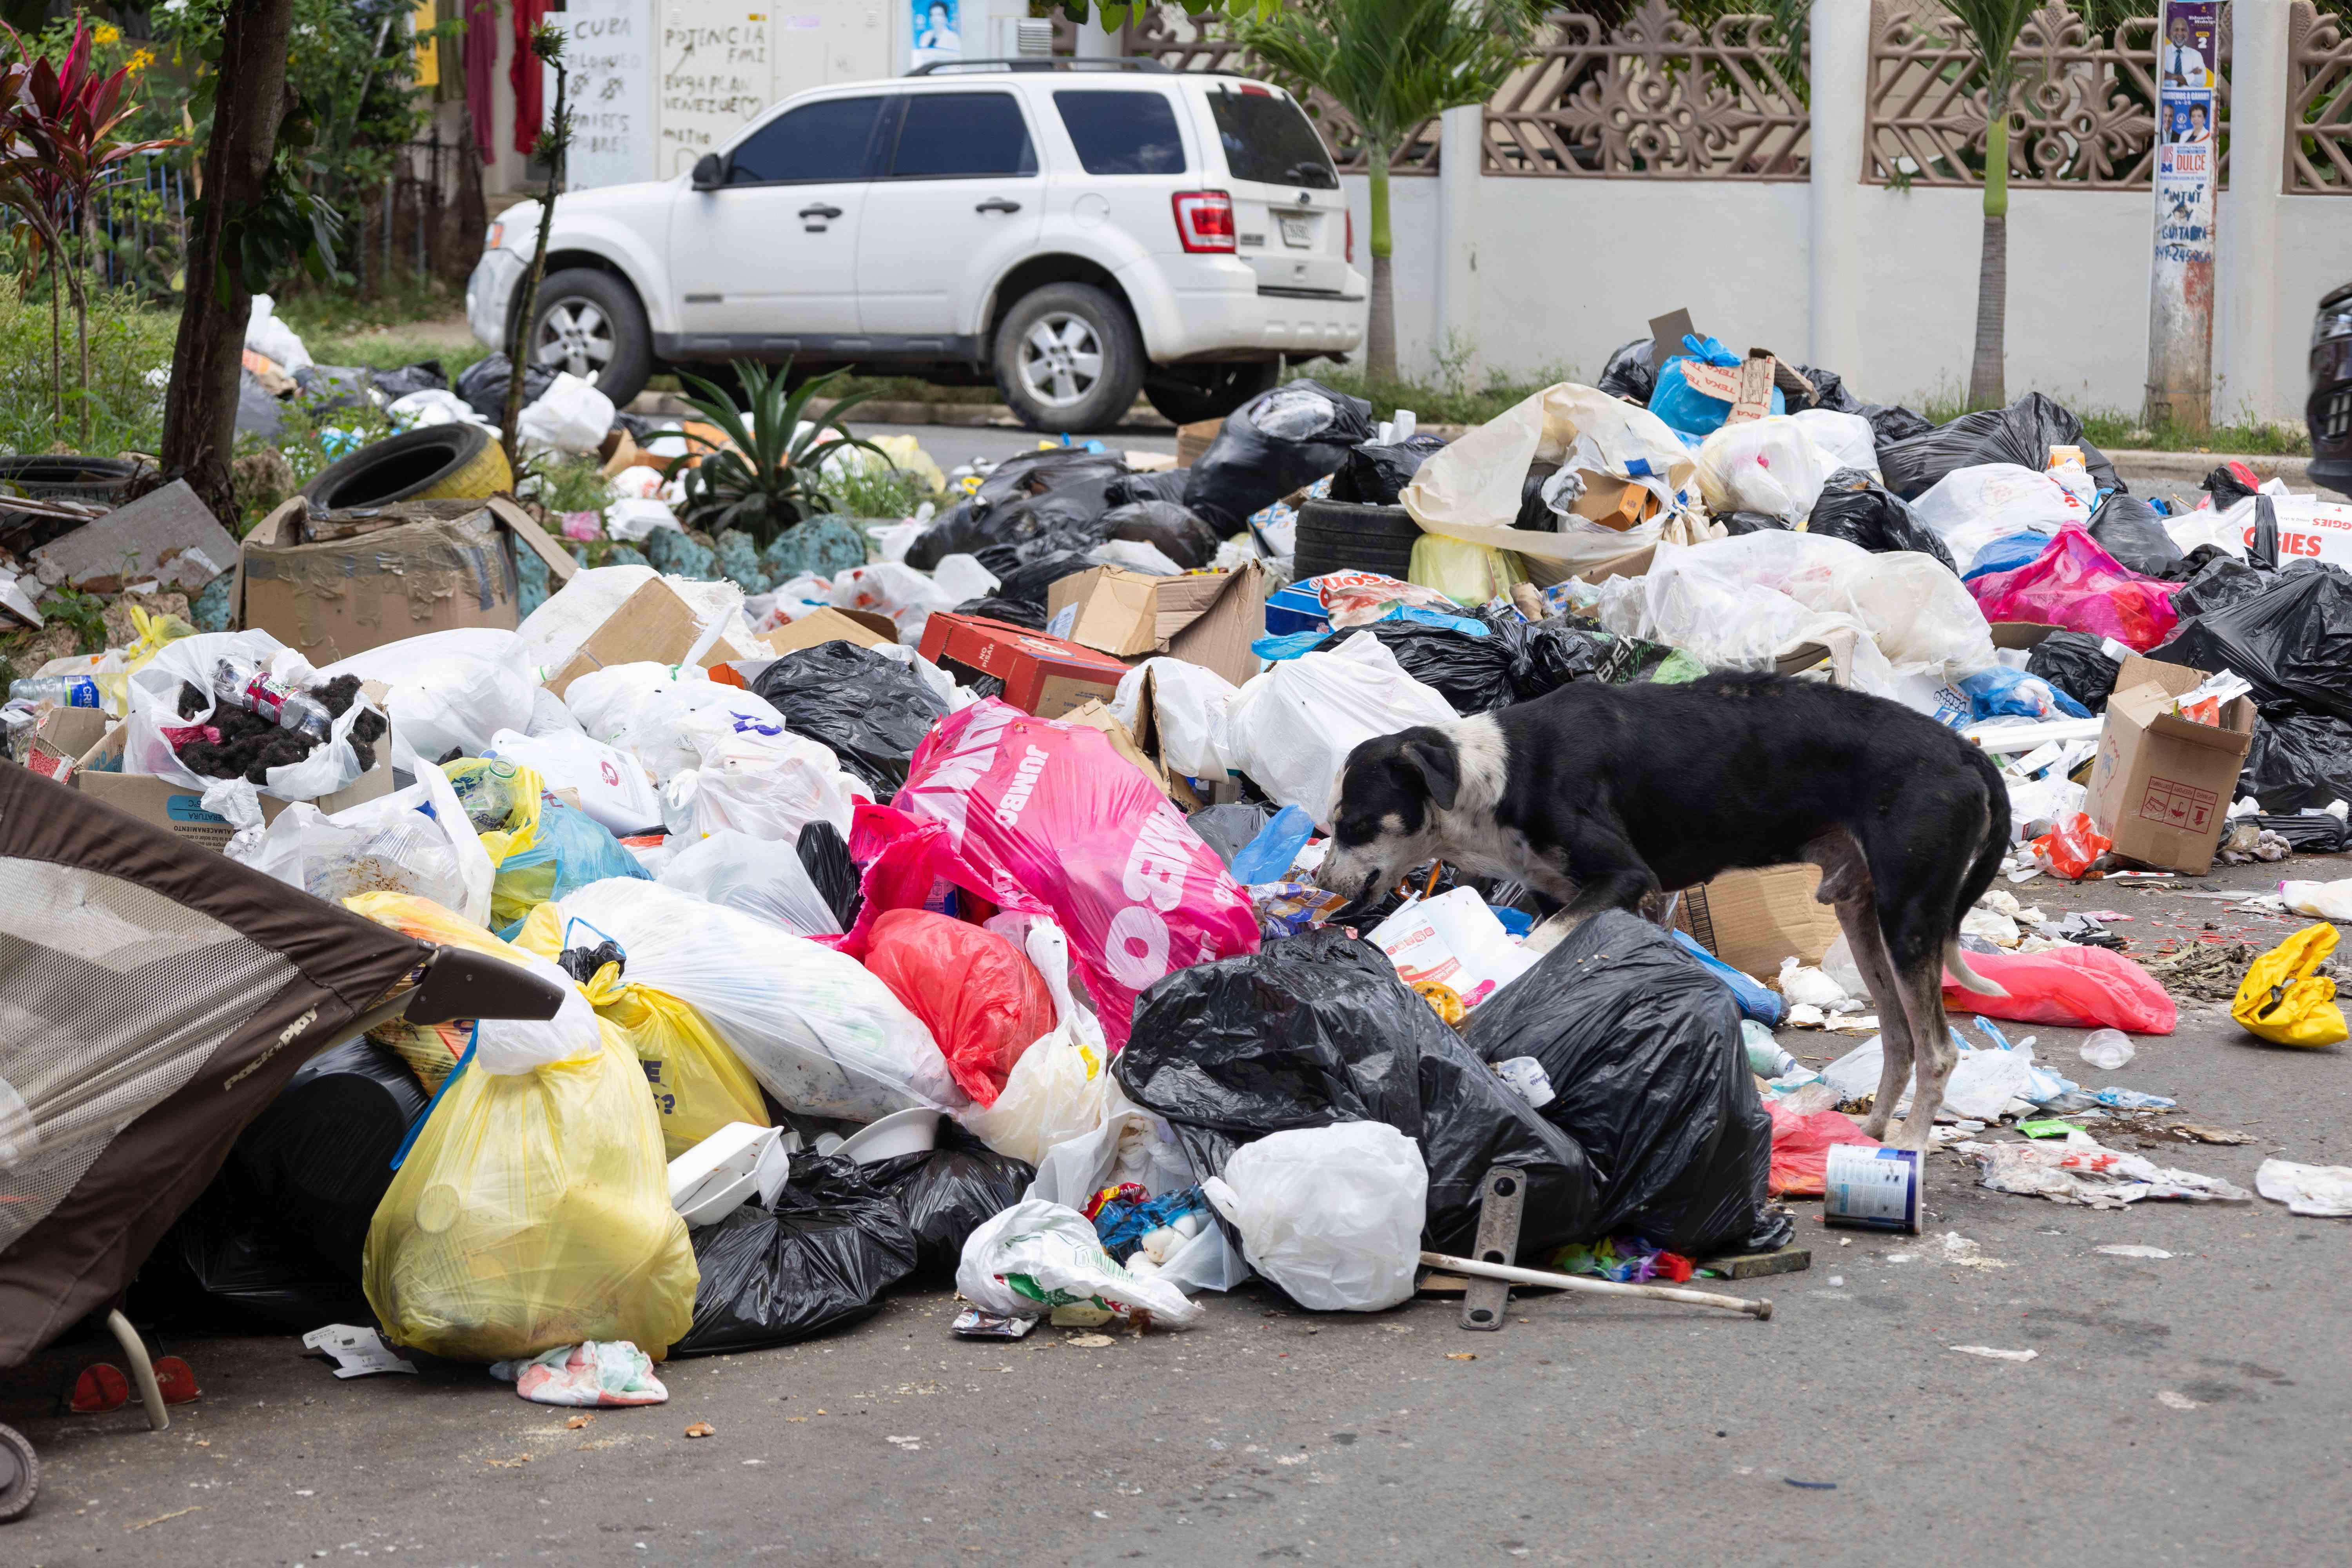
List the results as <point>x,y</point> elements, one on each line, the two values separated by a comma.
<point>1295,232</point>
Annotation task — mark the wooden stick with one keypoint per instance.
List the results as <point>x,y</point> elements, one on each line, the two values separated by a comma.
<point>1759,1311</point>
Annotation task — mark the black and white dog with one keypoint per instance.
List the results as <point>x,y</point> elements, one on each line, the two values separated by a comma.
<point>1594,795</point>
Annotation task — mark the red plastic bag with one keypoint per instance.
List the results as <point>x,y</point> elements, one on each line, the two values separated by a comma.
<point>1801,1145</point>
<point>985,1001</point>
<point>2075,583</point>
<point>2068,849</point>
<point>1035,815</point>
<point>2080,987</point>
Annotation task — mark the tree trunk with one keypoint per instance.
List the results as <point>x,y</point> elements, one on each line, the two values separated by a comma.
<point>252,97</point>
<point>1985,382</point>
<point>1379,329</point>
<point>81,312</point>
<point>519,333</point>
<point>57,348</point>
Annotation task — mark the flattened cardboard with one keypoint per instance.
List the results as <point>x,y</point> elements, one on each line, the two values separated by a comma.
<point>824,625</point>
<point>2161,784</point>
<point>166,534</point>
<point>1208,619</point>
<point>653,626</point>
<point>1667,335</point>
<point>1753,919</point>
<point>2022,636</point>
<point>1095,715</point>
<point>1043,675</point>
<point>60,737</point>
<point>182,809</point>
<point>1193,440</point>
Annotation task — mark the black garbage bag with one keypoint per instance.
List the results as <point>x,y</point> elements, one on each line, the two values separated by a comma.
<point>2128,529</point>
<point>1472,673</point>
<point>1858,509</point>
<point>2308,833</point>
<point>259,410</point>
<point>2298,759</point>
<point>1317,1029</point>
<point>1649,1076</point>
<point>1628,372</point>
<point>1738,522</point>
<point>1549,654</point>
<point>873,712</point>
<point>1373,475</point>
<point>1829,392</point>
<point>1030,581</point>
<point>2077,663</point>
<point>1275,443</point>
<point>2225,486</point>
<point>825,855</point>
<point>326,389</point>
<point>1166,484</point>
<point>1170,527</point>
<point>2291,640</point>
<point>949,1192</point>
<point>818,1260</point>
<point>1890,424</point>
<point>424,375</point>
<point>2021,433</point>
<point>1013,612</point>
<point>483,385</point>
<point>1227,829</point>
<point>223,1266</point>
<point>2221,580</point>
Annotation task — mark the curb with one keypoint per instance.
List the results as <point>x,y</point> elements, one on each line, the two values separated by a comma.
<point>2189,467</point>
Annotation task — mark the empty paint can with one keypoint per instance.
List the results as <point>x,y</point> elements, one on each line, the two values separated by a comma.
<point>1872,1189</point>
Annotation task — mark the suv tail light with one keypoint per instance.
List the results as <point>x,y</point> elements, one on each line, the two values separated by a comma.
<point>1352,236</point>
<point>1204,219</point>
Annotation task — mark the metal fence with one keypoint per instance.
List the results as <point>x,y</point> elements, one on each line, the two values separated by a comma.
<point>2319,103</point>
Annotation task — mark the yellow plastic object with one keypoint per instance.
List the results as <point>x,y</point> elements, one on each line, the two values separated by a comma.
<point>429,1049</point>
<point>533,1211</point>
<point>2282,1001</point>
<point>154,632</point>
<point>488,474</point>
<point>1465,572</point>
<point>699,1084</point>
<point>508,796</point>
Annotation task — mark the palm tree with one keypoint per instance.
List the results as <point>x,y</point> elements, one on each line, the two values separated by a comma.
<point>1993,27</point>
<point>1391,65</point>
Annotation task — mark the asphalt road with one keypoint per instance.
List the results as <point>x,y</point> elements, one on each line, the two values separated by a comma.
<point>2189,1409</point>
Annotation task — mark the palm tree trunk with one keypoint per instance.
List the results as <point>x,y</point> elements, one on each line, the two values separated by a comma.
<point>1380,331</point>
<point>81,313</point>
<point>56,349</point>
<point>1985,388</point>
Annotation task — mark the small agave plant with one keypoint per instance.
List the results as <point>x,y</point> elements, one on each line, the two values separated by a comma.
<point>772,475</point>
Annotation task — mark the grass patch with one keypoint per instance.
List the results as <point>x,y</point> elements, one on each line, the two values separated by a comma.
<point>879,492</point>
<point>126,341</point>
<point>1452,398</point>
<point>2110,429</point>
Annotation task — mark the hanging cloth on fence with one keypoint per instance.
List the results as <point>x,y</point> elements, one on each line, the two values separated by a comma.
<point>481,43</point>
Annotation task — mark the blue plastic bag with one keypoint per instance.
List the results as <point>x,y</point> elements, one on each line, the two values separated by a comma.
<point>1757,1001</point>
<point>1267,856</point>
<point>2001,691</point>
<point>2006,554</point>
<point>1688,411</point>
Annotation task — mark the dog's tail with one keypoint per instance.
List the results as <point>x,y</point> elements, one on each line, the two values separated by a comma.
<point>1982,871</point>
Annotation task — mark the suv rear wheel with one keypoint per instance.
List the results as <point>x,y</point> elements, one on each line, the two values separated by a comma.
<point>590,323</point>
<point>1068,358</point>
<point>1189,393</point>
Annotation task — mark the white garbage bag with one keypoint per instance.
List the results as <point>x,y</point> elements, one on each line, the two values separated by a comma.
<point>1188,707</point>
<point>909,597</point>
<point>1061,1087</point>
<point>1847,438</point>
<point>1770,465</point>
<point>761,877</point>
<point>451,690</point>
<point>633,520</point>
<point>1970,508</point>
<point>265,334</point>
<point>433,405</point>
<point>754,777</point>
<point>821,1033</point>
<point>1291,729</point>
<point>570,416</point>
<point>1332,1214</point>
<point>644,709</point>
<point>415,841</point>
<point>612,785</point>
<point>1037,1255</point>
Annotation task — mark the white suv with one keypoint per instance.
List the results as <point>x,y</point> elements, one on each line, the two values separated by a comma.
<point>1075,234</point>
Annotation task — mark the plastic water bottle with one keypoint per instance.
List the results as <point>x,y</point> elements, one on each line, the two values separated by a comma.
<point>251,688</point>
<point>64,690</point>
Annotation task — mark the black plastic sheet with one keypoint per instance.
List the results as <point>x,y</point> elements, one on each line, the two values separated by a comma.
<point>1736,523</point>
<point>825,855</point>
<point>1373,475</point>
<point>1547,654</point>
<point>425,376</point>
<point>1247,468</point>
<point>1890,424</point>
<point>819,1260</point>
<point>483,385</point>
<point>2222,580</point>
<point>1472,673</point>
<point>1167,484</point>
<point>1318,1029</point>
<point>1829,392</point>
<point>1650,1077</point>
<point>1858,509</point>
<point>2077,663</point>
<point>1227,829</point>
<point>873,712</point>
<point>1030,581</point>
<point>2299,760</point>
<point>1012,612</point>
<point>2021,433</point>
<point>2291,640</point>
<point>1170,527</point>
<point>2309,833</point>
<point>949,1192</point>
<point>2128,529</point>
<point>999,511</point>
<point>1628,372</point>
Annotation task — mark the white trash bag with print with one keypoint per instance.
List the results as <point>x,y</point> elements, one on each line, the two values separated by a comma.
<point>1037,1255</point>
<point>1332,1214</point>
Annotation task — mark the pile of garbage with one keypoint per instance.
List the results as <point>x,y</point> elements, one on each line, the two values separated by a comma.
<point>938,899</point>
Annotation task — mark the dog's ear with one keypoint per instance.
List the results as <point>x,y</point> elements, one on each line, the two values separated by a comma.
<point>1440,766</point>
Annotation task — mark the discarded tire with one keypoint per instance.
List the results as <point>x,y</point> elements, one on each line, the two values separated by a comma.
<point>1342,536</point>
<point>103,480</point>
<point>441,462</point>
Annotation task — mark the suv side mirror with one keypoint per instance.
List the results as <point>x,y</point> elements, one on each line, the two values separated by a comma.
<point>710,171</point>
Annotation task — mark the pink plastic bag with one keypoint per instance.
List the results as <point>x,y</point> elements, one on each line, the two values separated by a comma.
<point>1035,815</point>
<point>2075,583</point>
<point>1801,1145</point>
<point>2080,987</point>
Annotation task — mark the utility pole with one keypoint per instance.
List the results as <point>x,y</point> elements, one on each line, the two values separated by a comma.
<point>2180,296</point>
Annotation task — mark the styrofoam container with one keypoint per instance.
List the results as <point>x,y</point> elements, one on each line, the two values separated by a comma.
<point>711,1179</point>
<point>913,1131</point>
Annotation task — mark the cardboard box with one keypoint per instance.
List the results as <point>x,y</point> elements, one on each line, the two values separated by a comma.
<point>61,737</point>
<point>653,626</point>
<point>364,577</point>
<point>2161,784</point>
<point>1209,619</point>
<point>1192,440</point>
<point>1042,675</point>
<point>166,534</point>
<point>1753,919</point>
<point>1095,715</point>
<point>180,809</point>
<point>863,628</point>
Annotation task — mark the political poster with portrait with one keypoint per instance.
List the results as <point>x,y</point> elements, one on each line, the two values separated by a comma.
<point>939,32</point>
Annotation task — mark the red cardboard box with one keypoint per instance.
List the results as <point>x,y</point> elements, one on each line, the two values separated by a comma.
<point>1042,675</point>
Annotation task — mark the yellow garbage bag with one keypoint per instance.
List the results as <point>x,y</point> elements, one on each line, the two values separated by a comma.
<point>533,1209</point>
<point>429,1049</point>
<point>699,1084</point>
<point>1465,573</point>
<point>2281,1000</point>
